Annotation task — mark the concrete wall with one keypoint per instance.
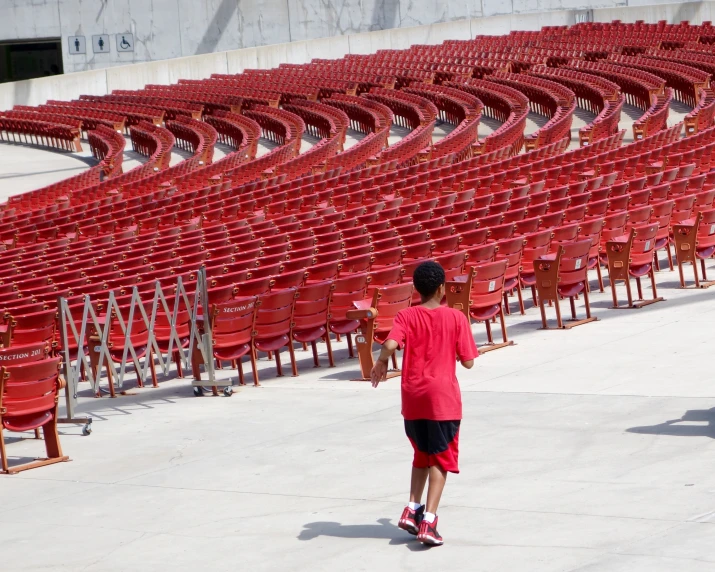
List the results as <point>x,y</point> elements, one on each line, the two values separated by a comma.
<point>165,29</point>
<point>69,86</point>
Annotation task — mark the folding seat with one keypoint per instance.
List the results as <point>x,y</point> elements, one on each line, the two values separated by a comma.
<point>386,257</point>
<point>446,244</point>
<point>536,210</point>
<point>639,215</point>
<point>536,245</point>
<point>639,198</point>
<point>500,232</point>
<point>479,295</point>
<point>591,230</point>
<point>704,200</point>
<point>375,326</point>
<point>695,240</point>
<point>385,276</point>
<point>682,209</point>
<point>324,271</point>
<point>563,234</point>
<point>618,203</point>
<point>491,221</point>
<point>28,328</point>
<point>483,201</point>
<point>253,287</point>
<point>272,328</point>
<point>266,269</point>
<point>345,291</point>
<point>572,189</point>
<point>358,263</point>
<point>30,397</point>
<point>564,275</point>
<point>289,279</point>
<point>661,215</point>
<point>695,184</point>
<point>310,317</point>
<point>632,255</point>
<point>442,231</point>
<point>511,250</point>
<point>527,225</point>
<point>232,326</point>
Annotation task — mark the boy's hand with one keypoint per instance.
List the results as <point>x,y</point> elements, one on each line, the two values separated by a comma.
<point>378,373</point>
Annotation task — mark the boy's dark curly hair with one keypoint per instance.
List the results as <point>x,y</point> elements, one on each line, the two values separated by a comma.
<point>427,278</point>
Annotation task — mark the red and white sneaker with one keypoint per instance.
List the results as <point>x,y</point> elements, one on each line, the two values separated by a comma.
<point>411,519</point>
<point>428,533</point>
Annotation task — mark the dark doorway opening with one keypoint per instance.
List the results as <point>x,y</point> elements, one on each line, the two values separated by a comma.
<point>27,59</point>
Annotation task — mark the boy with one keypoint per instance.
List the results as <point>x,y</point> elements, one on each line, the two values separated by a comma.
<point>434,338</point>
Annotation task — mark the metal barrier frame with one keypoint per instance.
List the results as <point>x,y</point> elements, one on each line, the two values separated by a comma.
<point>95,351</point>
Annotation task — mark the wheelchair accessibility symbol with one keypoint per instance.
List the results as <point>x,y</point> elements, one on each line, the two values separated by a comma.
<point>125,43</point>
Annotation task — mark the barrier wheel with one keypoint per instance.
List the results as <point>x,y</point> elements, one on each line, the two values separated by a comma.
<point>228,391</point>
<point>198,391</point>
<point>87,429</point>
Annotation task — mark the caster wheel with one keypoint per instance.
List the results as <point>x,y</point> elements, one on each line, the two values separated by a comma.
<point>198,391</point>
<point>228,391</point>
<point>87,430</point>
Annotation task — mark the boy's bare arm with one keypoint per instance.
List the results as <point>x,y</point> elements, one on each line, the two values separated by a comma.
<point>467,364</point>
<point>388,348</point>
<point>379,370</point>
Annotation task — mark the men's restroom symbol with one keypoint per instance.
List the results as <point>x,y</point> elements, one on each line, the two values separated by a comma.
<point>101,43</point>
<point>76,45</point>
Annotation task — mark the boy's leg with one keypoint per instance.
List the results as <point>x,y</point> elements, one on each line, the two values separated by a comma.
<point>417,483</point>
<point>437,480</point>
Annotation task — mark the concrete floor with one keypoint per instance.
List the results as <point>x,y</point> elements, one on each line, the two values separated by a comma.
<point>24,168</point>
<point>581,450</point>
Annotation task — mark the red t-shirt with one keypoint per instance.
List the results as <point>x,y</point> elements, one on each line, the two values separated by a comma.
<point>432,340</point>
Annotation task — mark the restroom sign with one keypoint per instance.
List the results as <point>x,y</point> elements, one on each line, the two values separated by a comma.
<point>77,45</point>
<point>125,42</point>
<point>100,44</point>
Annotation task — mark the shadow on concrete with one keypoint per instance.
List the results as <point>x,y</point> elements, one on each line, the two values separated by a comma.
<point>693,423</point>
<point>386,15</point>
<point>217,27</point>
<point>384,529</point>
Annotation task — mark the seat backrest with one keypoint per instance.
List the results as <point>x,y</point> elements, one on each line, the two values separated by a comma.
<point>643,239</point>
<point>573,262</point>
<point>386,276</point>
<point>30,328</point>
<point>388,301</point>
<point>487,283</point>
<point>29,388</point>
<point>254,287</point>
<point>512,251</point>
<point>345,290</point>
<point>311,305</point>
<point>23,353</point>
<point>662,213</point>
<point>452,263</point>
<point>481,254</point>
<point>706,229</point>
<point>591,229</point>
<point>274,313</point>
<point>232,322</point>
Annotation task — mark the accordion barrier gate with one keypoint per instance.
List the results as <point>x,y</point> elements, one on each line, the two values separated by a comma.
<point>90,334</point>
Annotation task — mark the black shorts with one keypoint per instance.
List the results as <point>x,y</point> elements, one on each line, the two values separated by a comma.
<point>436,443</point>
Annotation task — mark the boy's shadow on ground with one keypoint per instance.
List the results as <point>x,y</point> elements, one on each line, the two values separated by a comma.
<point>384,529</point>
<point>705,419</point>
